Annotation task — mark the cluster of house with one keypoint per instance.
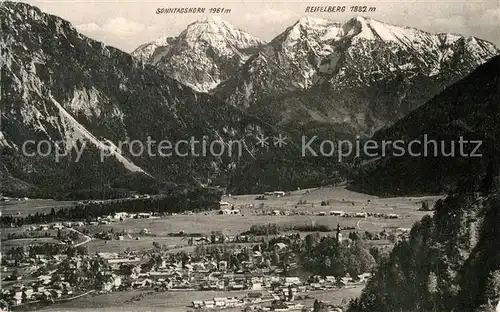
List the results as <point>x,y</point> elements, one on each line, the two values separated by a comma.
<point>54,226</point>
<point>214,275</point>
<point>254,301</point>
<point>275,193</point>
<point>122,216</point>
<point>119,216</point>
<point>222,302</point>
<point>98,201</point>
<point>126,271</point>
<point>38,290</point>
<point>8,199</point>
<point>229,211</point>
<point>43,287</point>
<point>285,291</point>
<point>338,213</point>
<point>201,275</point>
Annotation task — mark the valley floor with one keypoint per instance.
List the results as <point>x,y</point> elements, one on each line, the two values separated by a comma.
<point>300,208</point>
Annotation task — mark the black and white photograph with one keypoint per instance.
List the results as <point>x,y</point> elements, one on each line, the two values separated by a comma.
<point>249,156</point>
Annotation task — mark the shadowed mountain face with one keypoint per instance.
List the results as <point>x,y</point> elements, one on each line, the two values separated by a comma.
<point>80,95</point>
<point>467,109</point>
<point>60,86</point>
<point>449,262</point>
<point>353,77</point>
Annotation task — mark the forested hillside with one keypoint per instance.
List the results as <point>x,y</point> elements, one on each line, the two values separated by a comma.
<point>449,263</point>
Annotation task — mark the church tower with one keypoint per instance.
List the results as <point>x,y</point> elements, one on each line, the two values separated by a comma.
<point>338,234</point>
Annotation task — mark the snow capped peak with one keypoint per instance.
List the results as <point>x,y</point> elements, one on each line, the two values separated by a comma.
<point>146,51</point>
<point>203,55</point>
<point>309,29</point>
<point>211,19</point>
<point>312,21</point>
<point>360,19</point>
<point>359,28</point>
<point>314,24</point>
<point>217,32</point>
<point>162,41</point>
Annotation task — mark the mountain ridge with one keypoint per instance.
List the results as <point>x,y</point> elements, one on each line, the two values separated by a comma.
<point>382,79</point>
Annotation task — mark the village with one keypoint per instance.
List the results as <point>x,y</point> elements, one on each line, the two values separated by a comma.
<point>264,262</point>
<point>160,272</point>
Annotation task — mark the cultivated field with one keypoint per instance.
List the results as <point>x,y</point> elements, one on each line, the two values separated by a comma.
<point>252,213</point>
<point>32,206</point>
<point>27,241</point>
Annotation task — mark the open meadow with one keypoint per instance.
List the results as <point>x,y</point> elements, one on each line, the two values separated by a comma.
<point>300,208</point>
<point>259,212</point>
<point>32,206</point>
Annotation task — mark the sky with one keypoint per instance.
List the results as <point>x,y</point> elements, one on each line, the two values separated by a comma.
<point>126,24</point>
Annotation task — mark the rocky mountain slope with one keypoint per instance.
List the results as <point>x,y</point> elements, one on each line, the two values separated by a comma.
<point>467,109</point>
<point>62,87</point>
<point>357,76</point>
<point>205,54</point>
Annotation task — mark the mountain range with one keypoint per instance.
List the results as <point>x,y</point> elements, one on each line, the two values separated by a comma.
<point>337,80</point>
<point>213,80</point>
<point>355,76</point>
<point>62,87</point>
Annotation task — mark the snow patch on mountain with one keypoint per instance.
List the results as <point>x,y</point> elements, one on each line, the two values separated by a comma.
<point>219,34</point>
<point>85,102</point>
<point>146,51</point>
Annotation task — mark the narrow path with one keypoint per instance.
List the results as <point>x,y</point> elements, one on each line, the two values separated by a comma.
<point>87,238</point>
<point>75,297</point>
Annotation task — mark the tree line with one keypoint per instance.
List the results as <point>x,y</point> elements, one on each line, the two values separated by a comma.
<point>179,200</point>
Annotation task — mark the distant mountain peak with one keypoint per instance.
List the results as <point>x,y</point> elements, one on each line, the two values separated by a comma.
<point>309,29</point>
<point>217,32</point>
<point>65,88</point>
<point>367,71</point>
<point>311,21</point>
<point>204,54</point>
<point>214,19</point>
